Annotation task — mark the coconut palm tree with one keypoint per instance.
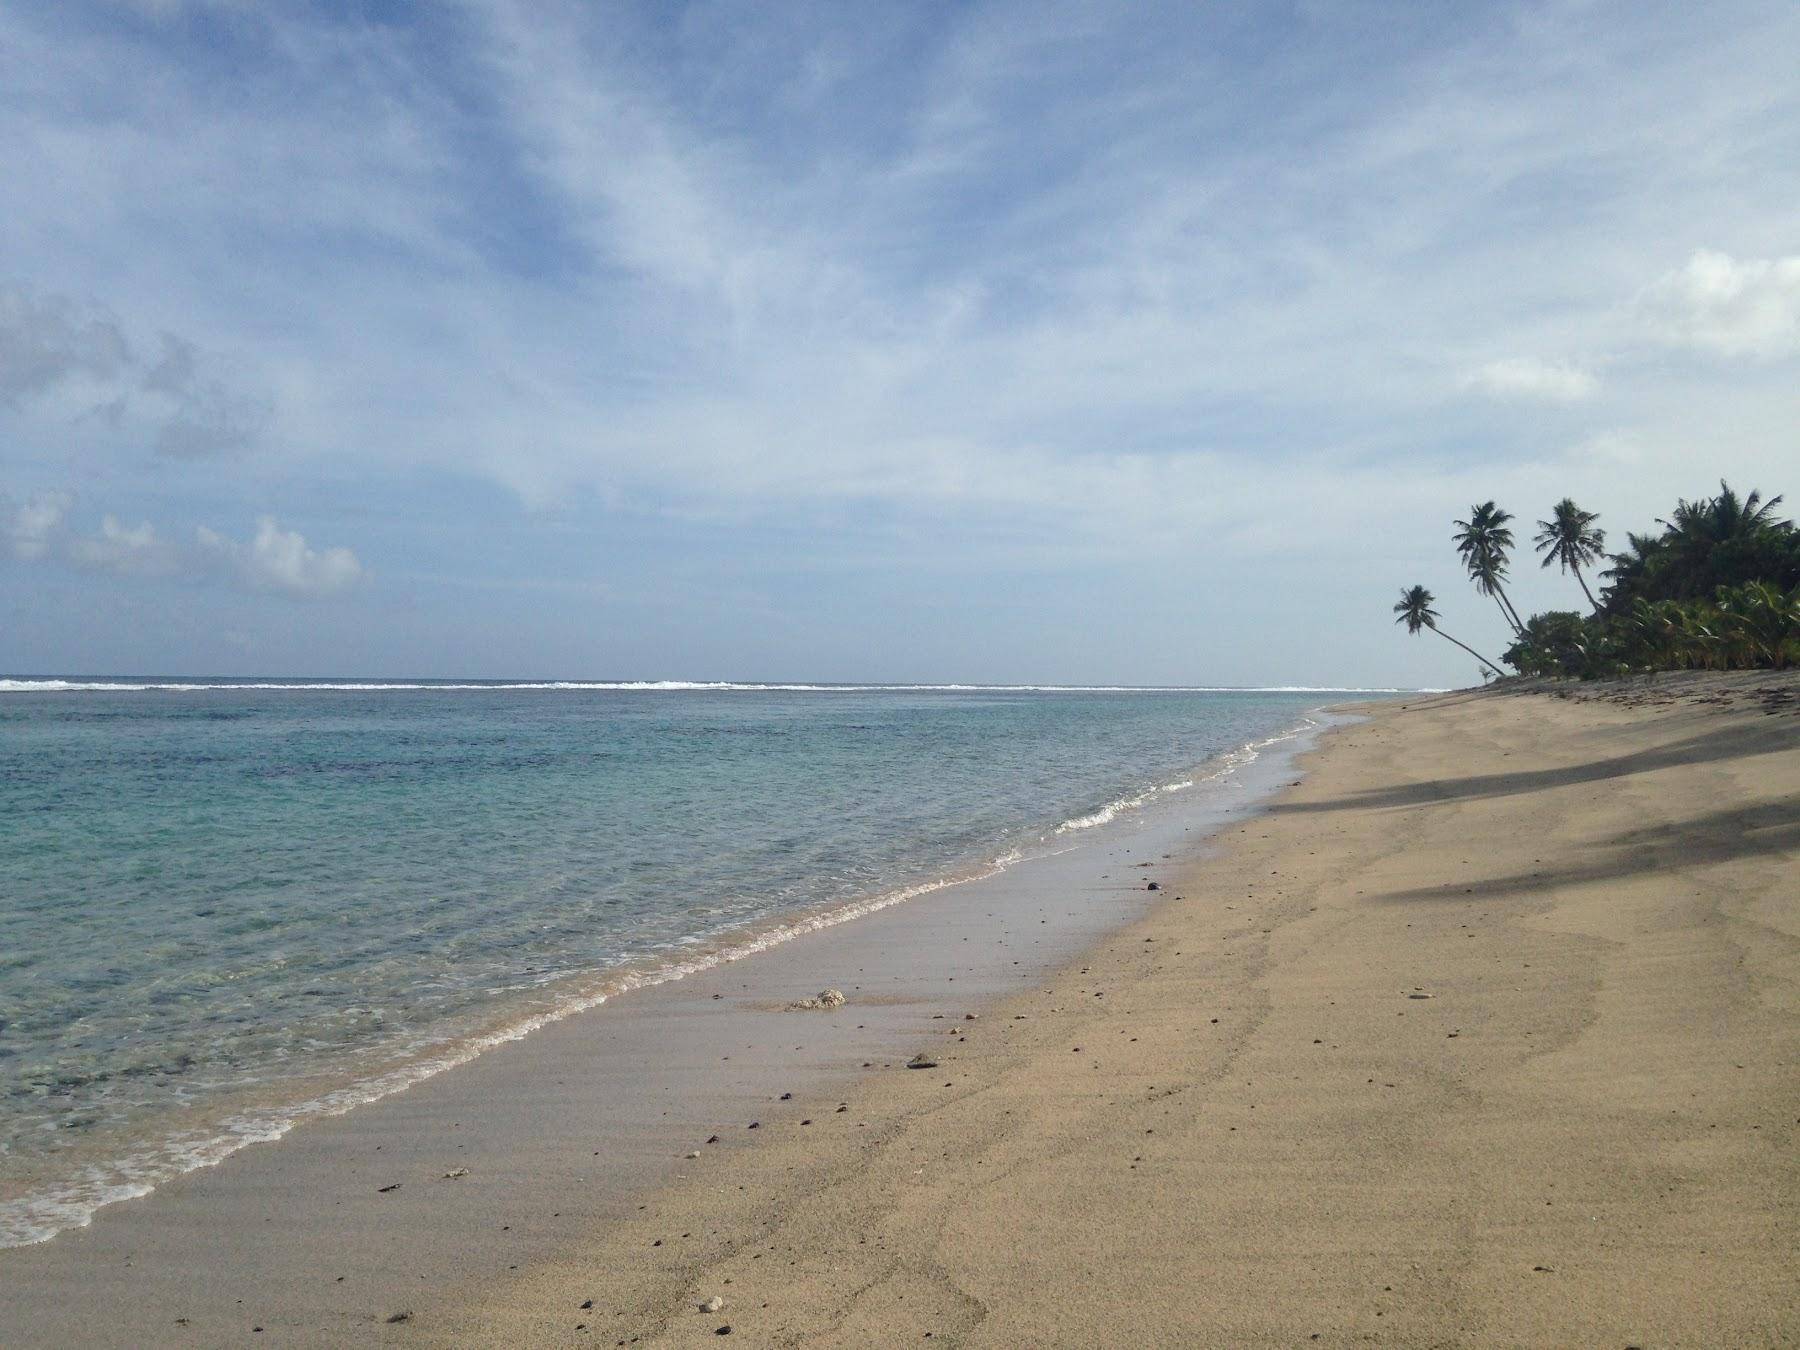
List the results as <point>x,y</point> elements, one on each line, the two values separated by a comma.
<point>1725,517</point>
<point>1569,537</point>
<point>1725,540</point>
<point>1632,571</point>
<point>1483,540</point>
<point>1415,612</point>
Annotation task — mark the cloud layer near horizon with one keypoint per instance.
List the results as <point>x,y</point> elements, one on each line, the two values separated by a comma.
<point>273,559</point>
<point>782,325</point>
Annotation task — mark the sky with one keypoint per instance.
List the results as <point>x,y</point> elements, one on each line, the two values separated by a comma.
<point>990,342</point>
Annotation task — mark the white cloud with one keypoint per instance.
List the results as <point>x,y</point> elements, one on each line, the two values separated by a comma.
<point>127,551</point>
<point>274,559</point>
<point>34,524</point>
<point>1526,377</point>
<point>1737,308</point>
<point>1070,281</point>
<point>282,560</point>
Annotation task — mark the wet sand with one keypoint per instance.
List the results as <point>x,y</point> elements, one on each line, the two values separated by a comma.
<point>1486,1034</point>
<point>507,1164</point>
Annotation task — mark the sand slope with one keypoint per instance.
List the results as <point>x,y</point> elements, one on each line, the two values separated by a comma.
<point>1485,1035</point>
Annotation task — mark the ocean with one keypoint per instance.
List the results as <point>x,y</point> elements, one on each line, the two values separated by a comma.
<point>227,905</point>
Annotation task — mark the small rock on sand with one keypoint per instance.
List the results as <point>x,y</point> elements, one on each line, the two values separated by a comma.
<point>825,998</point>
<point>921,1061</point>
<point>712,1304</point>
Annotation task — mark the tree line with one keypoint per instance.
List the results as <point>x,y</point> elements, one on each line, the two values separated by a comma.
<point>1717,589</point>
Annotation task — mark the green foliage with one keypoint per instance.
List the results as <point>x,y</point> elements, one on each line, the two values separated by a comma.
<point>1716,541</point>
<point>1557,643</point>
<point>1717,589</point>
<point>1755,625</point>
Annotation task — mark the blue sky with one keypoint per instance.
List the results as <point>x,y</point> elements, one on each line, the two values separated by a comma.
<point>1084,343</point>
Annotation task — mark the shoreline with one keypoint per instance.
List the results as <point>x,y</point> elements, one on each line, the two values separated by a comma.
<point>1227,1119</point>
<point>1486,1032</point>
<point>306,1166</point>
<point>246,1118</point>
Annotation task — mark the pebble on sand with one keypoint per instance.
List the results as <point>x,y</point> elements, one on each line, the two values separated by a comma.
<point>712,1304</point>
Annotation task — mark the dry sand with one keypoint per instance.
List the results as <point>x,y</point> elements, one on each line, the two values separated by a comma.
<point>1486,1034</point>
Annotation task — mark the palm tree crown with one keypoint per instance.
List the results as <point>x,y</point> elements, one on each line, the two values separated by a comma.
<point>1415,609</point>
<point>1484,533</point>
<point>1416,613</point>
<point>1483,541</point>
<point>1727,516</point>
<point>1571,538</point>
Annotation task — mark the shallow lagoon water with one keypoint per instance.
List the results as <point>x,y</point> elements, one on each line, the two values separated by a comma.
<point>226,904</point>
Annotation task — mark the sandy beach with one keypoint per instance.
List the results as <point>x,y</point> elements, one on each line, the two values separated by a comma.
<point>1485,1034</point>
<point>973,674</point>
<point>1482,1031</point>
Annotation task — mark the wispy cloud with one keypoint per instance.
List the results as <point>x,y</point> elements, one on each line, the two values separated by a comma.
<point>1747,307</point>
<point>999,281</point>
<point>46,341</point>
<point>126,551</point>
<point>1526,377</point>
<point>69,359</point>
<point>33,525</point>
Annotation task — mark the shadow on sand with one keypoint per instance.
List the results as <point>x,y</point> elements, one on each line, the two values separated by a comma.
<point>1718,837</point>
<point>1712,746</point>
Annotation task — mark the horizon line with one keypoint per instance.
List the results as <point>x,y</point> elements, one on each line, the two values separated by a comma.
<point>22,683</point>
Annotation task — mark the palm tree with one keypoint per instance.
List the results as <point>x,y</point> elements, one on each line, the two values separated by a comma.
<point>1570,538</point>
<point>1725,540</point>
<point>1483,541</point>
<point>1726,516</point>
<point>1415,612</point>
<point>1631,570</point>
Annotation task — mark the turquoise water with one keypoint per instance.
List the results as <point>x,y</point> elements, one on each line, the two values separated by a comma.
<point>226,905</point>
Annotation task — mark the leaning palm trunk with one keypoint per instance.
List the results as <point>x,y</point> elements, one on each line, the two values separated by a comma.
<point>1507,614</point>
<point>1584,589</point>
<point>1467,648</point>
<point>1416,613</point>
<point>1513,614</point>
<point>1506,608</point>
